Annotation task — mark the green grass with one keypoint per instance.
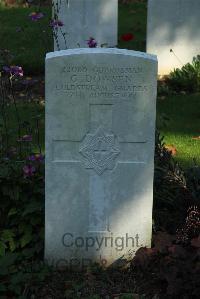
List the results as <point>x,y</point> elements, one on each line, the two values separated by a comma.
<point>183,112</point>
<point>25,38</point>
<point>30,45</point>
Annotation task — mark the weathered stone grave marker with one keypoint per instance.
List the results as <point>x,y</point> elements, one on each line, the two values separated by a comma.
<point>100,126</point>
<point>83,19</point>
<point>173,32</point>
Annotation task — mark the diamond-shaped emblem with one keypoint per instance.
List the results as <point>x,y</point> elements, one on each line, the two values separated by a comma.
<point>100,150</point>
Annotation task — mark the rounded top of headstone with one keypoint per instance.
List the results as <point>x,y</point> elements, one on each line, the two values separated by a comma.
<point>80,51</point>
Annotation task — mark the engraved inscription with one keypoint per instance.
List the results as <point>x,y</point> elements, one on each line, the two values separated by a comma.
<point>100,151</point>
<point>102,69</point>
<point>100,81</point>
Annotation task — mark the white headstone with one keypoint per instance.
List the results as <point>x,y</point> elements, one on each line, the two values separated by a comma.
<point>173,32</point>
<point>83,19</point>
<point>100,127</point>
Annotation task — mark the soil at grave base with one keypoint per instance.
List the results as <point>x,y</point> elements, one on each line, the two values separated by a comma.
<point>107,284</point>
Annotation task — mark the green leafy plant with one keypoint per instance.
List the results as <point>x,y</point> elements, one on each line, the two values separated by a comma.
<point>21,224</point>
<point>172,195</point>
<point>22,207</point>
<point>187,78</point>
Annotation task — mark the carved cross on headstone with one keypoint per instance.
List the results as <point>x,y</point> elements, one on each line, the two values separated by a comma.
<point>102,152</point>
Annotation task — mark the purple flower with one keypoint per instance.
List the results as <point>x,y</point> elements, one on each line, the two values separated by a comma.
<point>26,138</point>
<point>35,16</point>
<point>28,170</point>
<point>36,157</point>
<point>56,23</point>
<point>14,70</point>
<point>31,158</point>
<point>17,70</point>
<point>92,43</point>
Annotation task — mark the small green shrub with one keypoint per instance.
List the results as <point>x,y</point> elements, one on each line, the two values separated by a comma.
<point>172,192</point>
<point>22,206</point>
<point>175,190</point>
<point>21,223</point>
<point>187,78</point>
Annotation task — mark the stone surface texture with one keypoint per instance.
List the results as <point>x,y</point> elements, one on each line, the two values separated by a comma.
<point>83,19</point>
<point>100,127</point>
<point>173,25</point>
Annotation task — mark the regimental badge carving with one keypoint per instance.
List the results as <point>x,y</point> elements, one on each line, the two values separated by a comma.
<point>100,150</point>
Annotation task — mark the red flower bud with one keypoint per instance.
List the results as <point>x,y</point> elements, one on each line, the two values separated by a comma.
<point>127,37</point>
